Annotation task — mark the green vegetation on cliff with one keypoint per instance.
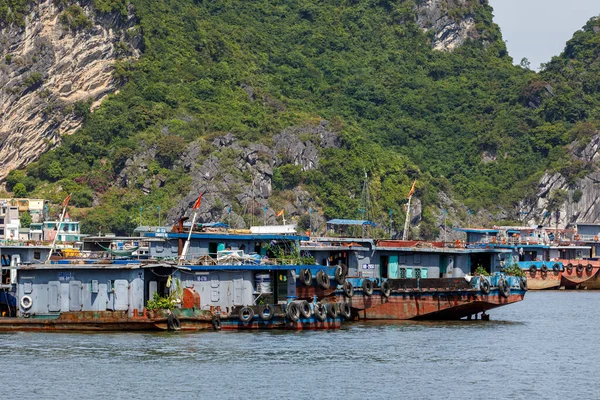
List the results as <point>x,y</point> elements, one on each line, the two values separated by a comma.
<point>465,122</point>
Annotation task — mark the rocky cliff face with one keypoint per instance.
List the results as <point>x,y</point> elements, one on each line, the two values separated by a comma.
<point>452,22</point>
<point>46,67</point>
<point>561,200</point>
<point>237,179</point>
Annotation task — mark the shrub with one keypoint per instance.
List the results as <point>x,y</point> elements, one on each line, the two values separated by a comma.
<point>74,18</point>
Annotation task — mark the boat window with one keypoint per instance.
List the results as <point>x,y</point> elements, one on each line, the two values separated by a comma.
<point>402,259</point>
<point>417,259</point>
<point>37,255</point>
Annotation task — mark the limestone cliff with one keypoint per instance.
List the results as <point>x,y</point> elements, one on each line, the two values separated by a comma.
<point>451,22</point>
<point>562,199</point>
<point>47,66</point>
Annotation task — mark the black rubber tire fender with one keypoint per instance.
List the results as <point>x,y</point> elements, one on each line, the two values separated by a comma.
<point>367,286</point>
<point>386,289</point>
<point>323,279</point>
<point>484,285</point>
<point>579,268</point>
<point>569,267</point>
<point>267,313</point>
<point>216,323</point>
<point>348,289</point>
<point>246,314</point>
<point>589,268</point>
<point>523,283</point>
<point>345,310</point>
<point>532,270</point>
<point>320,312</point>
<point>544,269</point>
<point>305,310</point>
<point>292,311</point>
<point>339,274</point>
<point>503,288</point>
<point>173,323</point>
<point>556,267</point>
<point>306,276</point>
<point>332,310</point>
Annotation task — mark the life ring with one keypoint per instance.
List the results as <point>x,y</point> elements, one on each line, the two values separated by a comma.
<point>292,311</point>
<point>493,239</point>
<point>367,286</point>
<point>556,267</point>
<point>523,283</point>
<point>544,269</point>
<point>569,267</point>
<point>323,279</point>
<point>305,310</point>
<point>386,289</point>
<point>246,314</point>
<point>589,268</point>
<point>484,285</point>
<point>533,269</point>
<point>345,310</point>
<point>306,277</point>
<point>339,274</point>
<point>332,310</point>
<point>173,323</point>
<point>216,323</point>
<point>26,302</point>
<point>595,238</point>
<point>579,268</point>
<point>503,287</point>
<point>577,237</point>
<point>320,311</point>
<point>266,314</point>
<point>503,240</point>
<point>348,289</point>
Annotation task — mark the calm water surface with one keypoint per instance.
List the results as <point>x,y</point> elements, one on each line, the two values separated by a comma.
<point>544,347</point>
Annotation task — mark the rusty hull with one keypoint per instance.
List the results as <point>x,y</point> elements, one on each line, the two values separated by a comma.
<point>574,280</point>
<point>432,304</point>
<point>539,280</point>
<point>101,321</point>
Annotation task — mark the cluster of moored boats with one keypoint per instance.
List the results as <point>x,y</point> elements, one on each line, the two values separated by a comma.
<point>215,278</point>
<point>549,258</point>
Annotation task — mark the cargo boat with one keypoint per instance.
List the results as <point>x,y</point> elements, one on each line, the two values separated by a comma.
<point>395,279</point>
<point>217,286</point>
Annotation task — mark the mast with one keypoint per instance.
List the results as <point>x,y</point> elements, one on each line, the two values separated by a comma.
<point>62,216</point>
<point>186,246</point>
<point>405,232</point>
<point>410,195</point>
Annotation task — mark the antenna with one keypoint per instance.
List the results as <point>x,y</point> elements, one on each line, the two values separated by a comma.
<point>364,198</point>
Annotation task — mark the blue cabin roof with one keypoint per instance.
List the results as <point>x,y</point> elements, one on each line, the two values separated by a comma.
<point>476,230</point>
<point>351,222</point>
<point>228,236</point>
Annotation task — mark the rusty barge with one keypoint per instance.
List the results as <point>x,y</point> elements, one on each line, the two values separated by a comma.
<point>400,280</point>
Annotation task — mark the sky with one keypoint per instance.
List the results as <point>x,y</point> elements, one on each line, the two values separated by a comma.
<point>539,29</point>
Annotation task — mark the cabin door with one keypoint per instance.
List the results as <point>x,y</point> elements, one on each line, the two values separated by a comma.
<point>238,290</point>
<point>393,267</point>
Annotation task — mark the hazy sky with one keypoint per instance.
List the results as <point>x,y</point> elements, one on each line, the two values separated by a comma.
<point>539,29</point>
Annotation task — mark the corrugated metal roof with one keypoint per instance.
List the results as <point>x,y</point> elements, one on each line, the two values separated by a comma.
<point>351,222</point>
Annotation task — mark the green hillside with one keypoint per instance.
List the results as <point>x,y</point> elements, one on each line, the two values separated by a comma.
<point>466,122</point>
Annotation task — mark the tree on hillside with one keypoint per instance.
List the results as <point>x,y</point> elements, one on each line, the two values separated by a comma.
<point>25,219</point>
<point>20,190</point>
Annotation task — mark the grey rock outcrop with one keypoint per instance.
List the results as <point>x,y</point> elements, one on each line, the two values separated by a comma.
<point>46,67</point>
<point>237,180</point>
<point>562,202</point>
<point>448,32</point>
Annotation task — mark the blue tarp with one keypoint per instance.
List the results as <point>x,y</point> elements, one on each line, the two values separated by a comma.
<point>351,222</point>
